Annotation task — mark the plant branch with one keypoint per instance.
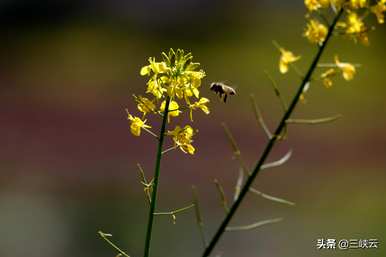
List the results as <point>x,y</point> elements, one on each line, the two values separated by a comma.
<point>277,163</point>
<point>173,212</point>
<point>170,149</point>
<point>239,184</point>
<point>277,91</point>
<point>147,186</point>
<point>235,148</point>
<point>223,198</point>
<point>270,197</point>
<point>199,220</point>
<point>254,225</point>
<point>259,117</point>
<point>314,121</point>
<point>272,141</point>
<point>156,178</point>
<point>104,236</point>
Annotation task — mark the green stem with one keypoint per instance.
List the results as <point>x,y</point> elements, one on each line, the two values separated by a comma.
<point>156,178</point>
<point>271,142</point>
<point>104,236</point>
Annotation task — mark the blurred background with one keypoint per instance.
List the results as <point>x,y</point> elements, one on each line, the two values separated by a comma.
<point>68,161</point>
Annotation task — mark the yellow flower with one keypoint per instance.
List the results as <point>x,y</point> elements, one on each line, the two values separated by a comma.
<point>144,104</point>
<point>201,104</point>
<point>348,70</point>
<point>354,24</point>
<point>155,88</point>
<point>315,32</point>
<point>173,109</point>
<point>136,125</point>
<point>286,58</point>
<point>182,138</point>
<point>379,10</point>
<point>326,77</point>
<point>313,5</point>
<point>145,70</point>
<point>355,28</point>
<point>356,4</point>
<point>155,67</point>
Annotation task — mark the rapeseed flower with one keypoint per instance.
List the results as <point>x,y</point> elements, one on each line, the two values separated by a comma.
<point>174,110</point>
<point>378,9</point>
<point>286,58</point>
<point>313,5</point>
<point>200,104</point>
<point>356,4</point>
<point>182,138</point>
<point>136,125</point>
<point>145,105</point>
<point>315,32</point>
<point>348,70</point>
<point>176,79</point>
<point>326,77</point>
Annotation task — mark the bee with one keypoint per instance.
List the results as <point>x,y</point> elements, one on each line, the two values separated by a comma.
<point>222,90</point>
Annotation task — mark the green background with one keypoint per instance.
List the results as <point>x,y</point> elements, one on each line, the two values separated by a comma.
<point>68,161</point>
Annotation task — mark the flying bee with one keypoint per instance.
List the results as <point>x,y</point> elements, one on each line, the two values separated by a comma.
<point>222,90</point>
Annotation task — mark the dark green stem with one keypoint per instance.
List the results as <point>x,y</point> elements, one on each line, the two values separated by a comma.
<point>156,178</point>
<point>271,142</point>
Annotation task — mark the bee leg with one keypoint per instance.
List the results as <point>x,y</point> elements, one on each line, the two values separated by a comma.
<point>225,98</point>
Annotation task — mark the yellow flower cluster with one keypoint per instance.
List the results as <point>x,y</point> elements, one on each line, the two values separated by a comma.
<point>379,9</point>
<point>182,138</point>
<point>315,32</point>
<point>176,79</point>
<point>353,24</point>
<point>347,70</point>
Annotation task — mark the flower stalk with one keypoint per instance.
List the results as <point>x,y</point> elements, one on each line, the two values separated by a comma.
<point>157,170</point>
<point>246,188</point>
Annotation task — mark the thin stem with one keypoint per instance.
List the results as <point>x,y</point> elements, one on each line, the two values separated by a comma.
<point>147,185</point>
<point>314,121</point>
<point>199,220</point>
<point>223,198</point>
<point>150,132</point>
<point>104,236</point>
<point>333,65</point>
<point>277,163</point>
<point>254,225</point>
<point>235,148</point>
<point>283,103</point>
<point>277,91</point>
<point>270,197</point>
<point>170,149</point>
<point>156,178</point>
<point>259,117</point>
<point>239,184</point>
<point>173,212</point>
<point>297,70</point>
<point>271,142</point>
